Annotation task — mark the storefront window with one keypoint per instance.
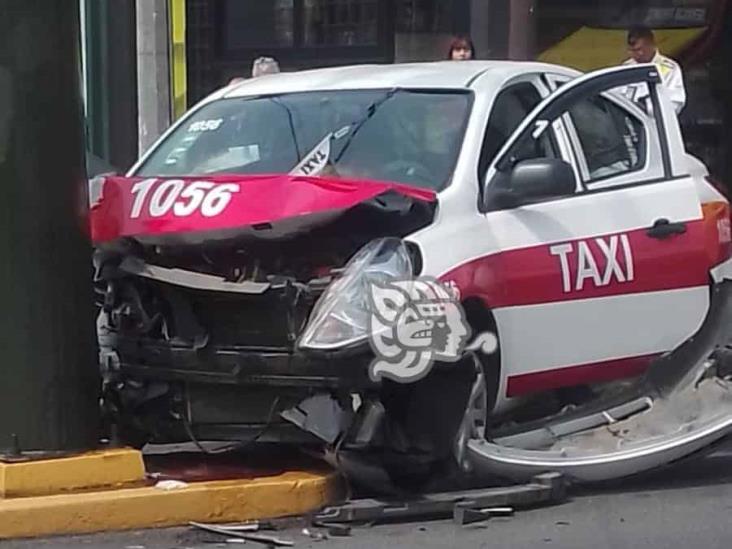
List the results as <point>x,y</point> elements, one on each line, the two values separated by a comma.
<point>653,13</point>
<point>592,34</point>
<point>225,36</point>
<point>341,22</point>
<point>424,27</point>
<point>253,23</point>
<point>284,11</point>
<point>434,16</point>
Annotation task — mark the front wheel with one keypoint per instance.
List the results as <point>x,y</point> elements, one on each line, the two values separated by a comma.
<point>425,420</point>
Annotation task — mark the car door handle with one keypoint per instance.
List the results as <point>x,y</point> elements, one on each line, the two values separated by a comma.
<point>663,228</point>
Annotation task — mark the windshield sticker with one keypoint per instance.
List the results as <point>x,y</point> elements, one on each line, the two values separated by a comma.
<point>245,155</point>
<point>205,125</point>
<point>316,160</point>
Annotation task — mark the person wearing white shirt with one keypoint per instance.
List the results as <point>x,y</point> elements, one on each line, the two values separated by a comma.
<point>642,49</point>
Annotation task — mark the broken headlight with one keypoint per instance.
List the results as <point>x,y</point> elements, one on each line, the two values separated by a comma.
<point>341,317</point>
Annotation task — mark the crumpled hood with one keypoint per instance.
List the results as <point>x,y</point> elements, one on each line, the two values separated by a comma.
<point>170,207</point>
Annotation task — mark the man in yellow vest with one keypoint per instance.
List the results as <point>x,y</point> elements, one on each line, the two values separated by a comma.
<point>642,49</point>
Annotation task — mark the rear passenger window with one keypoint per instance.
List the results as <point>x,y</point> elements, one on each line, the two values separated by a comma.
<point>612,140</point>
<point>512,105</point>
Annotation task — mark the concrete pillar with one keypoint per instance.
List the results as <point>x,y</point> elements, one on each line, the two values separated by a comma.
<point>153,71</point>
<point>49,377</point>
<point>522,30</point>
<point>489,27</point>
<point>480,19</point>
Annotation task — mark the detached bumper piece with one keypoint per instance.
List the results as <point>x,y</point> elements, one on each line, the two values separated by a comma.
<point>682,406</point>
<point>462,506</point>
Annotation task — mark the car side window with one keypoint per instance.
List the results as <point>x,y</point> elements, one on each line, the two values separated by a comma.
<point>510,108</point>
<point>612,140</point>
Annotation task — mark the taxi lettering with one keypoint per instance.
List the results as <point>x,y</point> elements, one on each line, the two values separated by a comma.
<point>599,265</point>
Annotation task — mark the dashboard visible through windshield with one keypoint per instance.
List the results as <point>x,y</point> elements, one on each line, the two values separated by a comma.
<point>406,136</point>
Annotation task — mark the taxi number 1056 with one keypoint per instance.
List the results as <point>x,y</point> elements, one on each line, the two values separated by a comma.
<point>183,198</point>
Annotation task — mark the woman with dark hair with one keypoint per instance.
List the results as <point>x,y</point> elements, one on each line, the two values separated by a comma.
<point>461,49</point>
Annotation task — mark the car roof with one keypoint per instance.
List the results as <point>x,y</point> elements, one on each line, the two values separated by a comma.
<point>440,74</point>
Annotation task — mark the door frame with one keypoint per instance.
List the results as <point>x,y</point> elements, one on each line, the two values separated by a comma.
<point>553,107</point>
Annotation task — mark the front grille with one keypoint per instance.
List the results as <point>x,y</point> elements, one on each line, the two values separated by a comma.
<point>270,320</point>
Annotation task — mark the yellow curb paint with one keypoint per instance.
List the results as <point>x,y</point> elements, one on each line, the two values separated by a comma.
<point>287,494</point>
<point>109,468</point>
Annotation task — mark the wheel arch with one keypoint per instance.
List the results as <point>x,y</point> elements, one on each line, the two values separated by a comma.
<point>481,320</point>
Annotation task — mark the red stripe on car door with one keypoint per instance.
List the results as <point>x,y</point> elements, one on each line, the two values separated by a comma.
<point>531,276</point>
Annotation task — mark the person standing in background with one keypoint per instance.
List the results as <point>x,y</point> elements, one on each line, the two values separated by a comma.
<point>461,49</point>
<point>642,49</point>
<point>260,67</point>
<point>265,65</point>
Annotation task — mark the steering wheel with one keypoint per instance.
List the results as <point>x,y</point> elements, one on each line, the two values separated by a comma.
<point>409,171</point>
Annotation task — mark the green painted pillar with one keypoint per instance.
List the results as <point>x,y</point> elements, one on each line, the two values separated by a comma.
<point>48,367</point>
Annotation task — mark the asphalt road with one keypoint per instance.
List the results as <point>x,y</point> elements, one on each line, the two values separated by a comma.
<point>684,506</point>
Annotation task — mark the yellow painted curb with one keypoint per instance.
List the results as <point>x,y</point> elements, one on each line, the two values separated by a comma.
<point>291,493</point>
<point>109,468</point>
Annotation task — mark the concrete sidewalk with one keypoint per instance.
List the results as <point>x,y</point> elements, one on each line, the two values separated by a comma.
<point>49,498</point>
<point>684,506</point>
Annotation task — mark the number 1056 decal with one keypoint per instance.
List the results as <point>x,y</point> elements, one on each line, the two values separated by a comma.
<point>183,198</point>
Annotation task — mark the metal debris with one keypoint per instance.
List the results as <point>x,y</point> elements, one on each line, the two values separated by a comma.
<point>334,529</point>
<point>244,527</point>
<point>462,515</point>
<point>317,536</point>
<point>248,536</point>
<point>465,513</point>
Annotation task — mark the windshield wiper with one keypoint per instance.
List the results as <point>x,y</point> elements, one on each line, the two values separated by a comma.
<point>370,112</point>
<point>319,158</point>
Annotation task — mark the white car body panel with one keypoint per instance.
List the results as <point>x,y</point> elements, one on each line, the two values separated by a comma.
<point>610,334</point>
<point>556,334</point>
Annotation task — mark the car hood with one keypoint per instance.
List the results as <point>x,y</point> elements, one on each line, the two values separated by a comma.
<point>162,210</point>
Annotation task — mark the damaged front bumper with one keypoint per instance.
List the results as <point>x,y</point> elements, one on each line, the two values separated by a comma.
<point>226,368</point>
<point>236,366</point>
<point>223,328</point>
<point>240,353</point>
<point>208,389</point>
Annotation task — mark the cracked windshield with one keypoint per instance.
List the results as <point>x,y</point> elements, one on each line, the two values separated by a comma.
<point>408,137</point>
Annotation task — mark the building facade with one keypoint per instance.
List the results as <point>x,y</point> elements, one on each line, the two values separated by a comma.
<point>212,41</point>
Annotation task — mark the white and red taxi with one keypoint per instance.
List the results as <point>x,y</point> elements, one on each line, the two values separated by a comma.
<point>570,221</point>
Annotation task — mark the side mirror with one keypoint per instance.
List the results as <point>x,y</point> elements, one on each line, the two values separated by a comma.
<point>543,178</point>
<point>534,179</point>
